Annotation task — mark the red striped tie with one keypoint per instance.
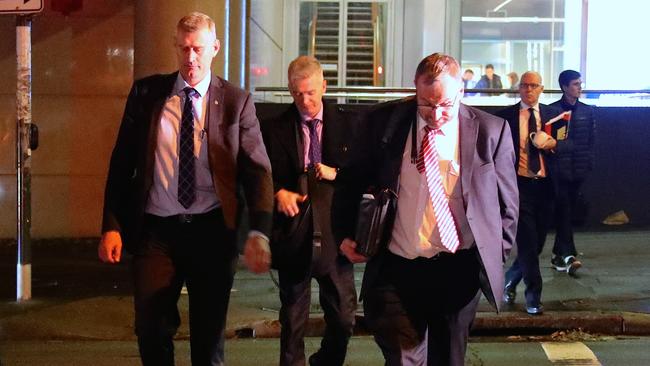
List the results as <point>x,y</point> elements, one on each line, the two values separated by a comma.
<point>428,162</point>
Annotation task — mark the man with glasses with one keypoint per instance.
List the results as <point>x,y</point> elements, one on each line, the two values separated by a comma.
<point>534,167</point>
<point>452,167</point>
<point>575,157</point>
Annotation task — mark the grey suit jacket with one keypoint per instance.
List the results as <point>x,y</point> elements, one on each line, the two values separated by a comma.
<point>488,181</point>
<point>238,161</point>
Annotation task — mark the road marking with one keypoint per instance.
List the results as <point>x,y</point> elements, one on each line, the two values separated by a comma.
<point>570,354</point>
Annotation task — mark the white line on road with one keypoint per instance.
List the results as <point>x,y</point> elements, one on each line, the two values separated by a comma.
<point>570,354</point>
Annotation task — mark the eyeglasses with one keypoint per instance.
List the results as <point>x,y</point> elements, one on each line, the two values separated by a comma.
<point>443,105</point>
<point>527,85</point>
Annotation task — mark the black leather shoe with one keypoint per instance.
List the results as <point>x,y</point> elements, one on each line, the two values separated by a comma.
<point>509,293</point>
<point>535,310</point>
<point>558,263</point>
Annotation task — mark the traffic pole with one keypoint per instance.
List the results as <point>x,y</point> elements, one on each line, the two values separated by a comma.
<point>23,157</point>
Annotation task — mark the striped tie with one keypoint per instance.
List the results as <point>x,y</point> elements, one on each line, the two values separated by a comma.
<point>427,163</point>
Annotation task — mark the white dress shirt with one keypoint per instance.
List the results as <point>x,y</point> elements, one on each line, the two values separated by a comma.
<point>163,195</point>
<point>415,232</point>
<point>524,115</point>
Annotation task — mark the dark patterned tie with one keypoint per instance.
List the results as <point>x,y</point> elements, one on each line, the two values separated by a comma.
<point>314,152</point>
<point>186,171</point>
<point>533,152</point>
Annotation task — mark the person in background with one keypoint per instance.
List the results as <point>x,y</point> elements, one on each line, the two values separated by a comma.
<point>490,80</point>
<point>513,78</point>
<point>534,165</point>
<point>575,159</point>
<point>468,79</point>
<point>309,144</point>
<point>448,240</point>
<point>188,143</point>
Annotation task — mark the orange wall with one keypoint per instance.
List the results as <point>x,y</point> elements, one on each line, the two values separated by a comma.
<point>82,67</point>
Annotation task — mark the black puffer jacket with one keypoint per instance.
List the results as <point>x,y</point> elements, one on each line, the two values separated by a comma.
<point>575,154</point>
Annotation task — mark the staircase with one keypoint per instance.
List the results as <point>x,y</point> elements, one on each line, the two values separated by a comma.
<point>360,43</point>
<point>326,40</point>
<point>360,48</point>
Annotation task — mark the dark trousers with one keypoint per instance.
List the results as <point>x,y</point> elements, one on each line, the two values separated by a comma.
<point>535,210</point>
<point>565,200</point>
<point>421,310</point>
<point>202,255</point>
<point>337,297</point>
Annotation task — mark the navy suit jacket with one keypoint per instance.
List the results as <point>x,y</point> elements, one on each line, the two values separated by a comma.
<point>291,242</point>
<point>238,161</point>
<point>488,181</point>
<point>511,114</point>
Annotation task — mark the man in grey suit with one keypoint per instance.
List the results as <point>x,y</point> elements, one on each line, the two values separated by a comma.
<point>421,292</point>
<point>188,144</point>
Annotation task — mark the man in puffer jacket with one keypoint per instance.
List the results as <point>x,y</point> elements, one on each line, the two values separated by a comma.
<point>574,159</point>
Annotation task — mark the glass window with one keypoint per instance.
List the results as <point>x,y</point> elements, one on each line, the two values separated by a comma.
<point>598,38</point>
<point>516,36</point>
<point>356,59</point>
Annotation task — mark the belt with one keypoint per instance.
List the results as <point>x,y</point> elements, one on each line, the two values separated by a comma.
<point>186,218</point>
<point>437,256</point>
<point>535,178</point>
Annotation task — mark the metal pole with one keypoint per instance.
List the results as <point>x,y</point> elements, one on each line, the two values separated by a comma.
<point>23,157</point>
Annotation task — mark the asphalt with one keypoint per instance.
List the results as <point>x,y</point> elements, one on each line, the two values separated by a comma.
<point>75,297</point>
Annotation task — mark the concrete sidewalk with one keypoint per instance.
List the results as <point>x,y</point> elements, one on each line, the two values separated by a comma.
<point>77,297</point>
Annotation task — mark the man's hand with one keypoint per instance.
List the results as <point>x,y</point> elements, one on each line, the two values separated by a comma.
<point>348,247</point>
<point>257,254</point>
<point>288,202</point>
<point>550,144</point>
<point>110,247</point>
<point>325,172</point>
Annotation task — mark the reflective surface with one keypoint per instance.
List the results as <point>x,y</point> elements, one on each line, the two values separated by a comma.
<point>82,67</point>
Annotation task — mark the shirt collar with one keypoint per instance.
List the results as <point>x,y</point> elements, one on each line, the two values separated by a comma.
<point>319,116</point>
<point>201,87</point>
<point>446,129</point>
<point>526,106</point>
<point>566,106</point>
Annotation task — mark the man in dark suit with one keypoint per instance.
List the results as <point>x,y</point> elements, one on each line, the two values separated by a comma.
<point>308,145</point>
<point>575,159</point>
<point>534,164</point>
<point>186,142</point>
<point>421,292</point>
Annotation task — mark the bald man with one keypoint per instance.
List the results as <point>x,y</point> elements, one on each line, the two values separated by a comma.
<point>534,165</point>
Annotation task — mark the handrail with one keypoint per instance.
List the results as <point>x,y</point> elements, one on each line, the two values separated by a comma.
<point>376,44</point>
<point>312,33</point>
<point>379,90</point>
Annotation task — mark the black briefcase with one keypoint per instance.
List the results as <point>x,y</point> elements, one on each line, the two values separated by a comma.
<point>376,216</point>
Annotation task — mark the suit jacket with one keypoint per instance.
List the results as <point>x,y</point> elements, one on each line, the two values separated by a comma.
<point>511,114</point>
<point>488,181</point>
<point>484,82</point>
<point>291,241</point>
<point>238,161</point>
